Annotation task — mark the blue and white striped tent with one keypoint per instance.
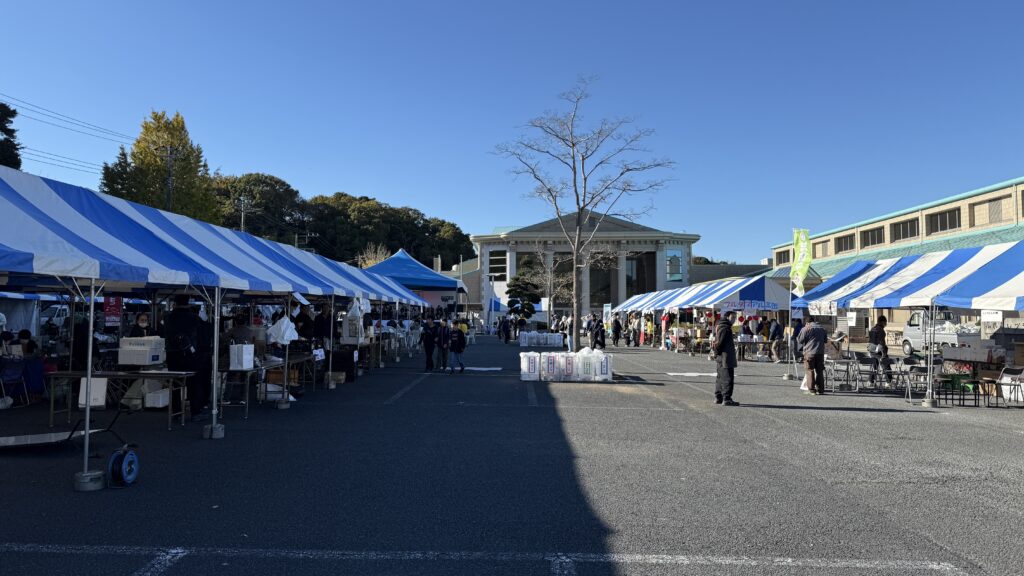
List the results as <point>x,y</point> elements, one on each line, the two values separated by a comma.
<point>987,277</point>
<point>59,231</point>
<point>757,293</point>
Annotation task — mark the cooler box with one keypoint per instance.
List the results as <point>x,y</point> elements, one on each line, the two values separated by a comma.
<point>145,351</point>
<point>158,398</point>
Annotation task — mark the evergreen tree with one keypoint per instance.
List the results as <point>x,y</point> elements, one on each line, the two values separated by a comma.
<point>10,149</point>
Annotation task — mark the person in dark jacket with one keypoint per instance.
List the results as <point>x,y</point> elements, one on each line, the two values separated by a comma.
<point>443,339</point>
<point>304,323</point>
<point>187,352</point>
<point>812,341</point>
<point>775,341</point>
<point>725,357</point>
<point>428,337</point>
<point>599,336</point>
<point>142,327</point>
<point>616,330</point>
<point>456,346</point>
<point>879,350</point>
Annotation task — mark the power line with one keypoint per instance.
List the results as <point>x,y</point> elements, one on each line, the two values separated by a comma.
<point>48,112</point>
<point>64,158</point>
<point>23,115</point>
<point>30,159</point>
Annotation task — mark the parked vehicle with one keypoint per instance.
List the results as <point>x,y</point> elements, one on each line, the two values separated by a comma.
<point>57,314</point>
<point>949,331</point>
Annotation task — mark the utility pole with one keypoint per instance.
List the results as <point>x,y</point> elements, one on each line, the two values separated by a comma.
<point>243,207</point>
<point>169,154</point>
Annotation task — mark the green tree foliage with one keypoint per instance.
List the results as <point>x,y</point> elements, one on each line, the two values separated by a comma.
<point>273,209</point>
<point>523,294</point>
<point>10,150</point>
<point>347,224</point>
<point>141,174</point>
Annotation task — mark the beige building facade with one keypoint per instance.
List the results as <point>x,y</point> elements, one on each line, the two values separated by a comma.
<point>633,259</point>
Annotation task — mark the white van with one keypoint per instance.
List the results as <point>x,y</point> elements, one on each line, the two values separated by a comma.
<point>58,314</point>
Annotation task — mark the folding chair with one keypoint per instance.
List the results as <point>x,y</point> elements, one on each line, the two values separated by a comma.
<point>867,371</point>
<point>1010,377</point>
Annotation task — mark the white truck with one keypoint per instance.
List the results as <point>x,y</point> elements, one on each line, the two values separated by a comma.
<point>949,331</point>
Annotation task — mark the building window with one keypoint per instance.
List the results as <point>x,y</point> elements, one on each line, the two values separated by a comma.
<point>845,243</point>
<point>782,257</point>
<point>943,221</point>
<point>903,230</point>
<point>674,265</point>
<point>497,266</point>
<point>994,211</point>
<point>821,249</point>
<point>872,237</point>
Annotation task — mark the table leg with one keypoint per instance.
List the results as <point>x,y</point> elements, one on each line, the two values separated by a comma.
<point>52,390</point>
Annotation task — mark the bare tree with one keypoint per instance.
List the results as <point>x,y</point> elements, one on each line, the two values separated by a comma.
<point>373,253</point>
<point>583,173</point>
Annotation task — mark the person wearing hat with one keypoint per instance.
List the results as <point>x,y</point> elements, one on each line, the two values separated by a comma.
<point>724,349</point>
<point>812,341</point>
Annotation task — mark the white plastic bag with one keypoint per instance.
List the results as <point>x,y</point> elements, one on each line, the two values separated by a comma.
<point>806,383</point>
<point>283,332</point>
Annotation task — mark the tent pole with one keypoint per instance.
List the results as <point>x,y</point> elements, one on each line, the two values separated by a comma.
<point>214,430</point>
<point>929,397</point>
<point>790,366</point>
<point>283,403</point>
<point>88,480</point>
<point>330,349</point>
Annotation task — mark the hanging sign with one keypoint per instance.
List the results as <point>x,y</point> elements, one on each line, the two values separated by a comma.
<point>112,307</point>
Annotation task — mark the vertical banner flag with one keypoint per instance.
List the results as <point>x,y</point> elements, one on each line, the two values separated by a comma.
<point>801,259</point>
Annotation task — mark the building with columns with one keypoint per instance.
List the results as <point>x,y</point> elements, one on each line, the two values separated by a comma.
<point>630,259</point>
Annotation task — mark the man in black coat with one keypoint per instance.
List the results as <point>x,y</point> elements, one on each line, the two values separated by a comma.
<point>187,351</point>
<point>444,335</point>
<point>616,330</point>
<point>428,337</point>
<point>725,357</point>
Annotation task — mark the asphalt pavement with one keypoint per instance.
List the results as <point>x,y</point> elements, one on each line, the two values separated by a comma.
<point>403,472</point>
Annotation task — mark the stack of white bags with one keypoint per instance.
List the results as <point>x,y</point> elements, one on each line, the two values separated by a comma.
<point>540,339</point>
<point>584,366</point>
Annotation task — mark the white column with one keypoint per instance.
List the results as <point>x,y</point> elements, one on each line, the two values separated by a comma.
<point>511,255</point>
<point>660,269</point>
<point>585,290</point>
<point>620,278</point>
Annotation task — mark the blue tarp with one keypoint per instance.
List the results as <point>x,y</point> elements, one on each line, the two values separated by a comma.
<point>408,272</point>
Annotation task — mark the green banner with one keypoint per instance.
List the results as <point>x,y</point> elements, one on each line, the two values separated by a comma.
<point>801,260</point>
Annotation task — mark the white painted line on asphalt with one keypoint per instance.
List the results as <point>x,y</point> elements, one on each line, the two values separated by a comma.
<point>531,393</point>
<point>402,392</point>
<point>563,567</point>
<point>564,562</point>
<point>161,563</point>
<point>691,374</point>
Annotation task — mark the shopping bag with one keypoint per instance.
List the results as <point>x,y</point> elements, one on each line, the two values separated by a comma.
<point>806,383</point>
<point>97,396</point>
<point>283,332</point>
<point>241,356</point>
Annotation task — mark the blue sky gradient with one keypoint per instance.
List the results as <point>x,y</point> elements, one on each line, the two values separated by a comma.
<point>778,114</point>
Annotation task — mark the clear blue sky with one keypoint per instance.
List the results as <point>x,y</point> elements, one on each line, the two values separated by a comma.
<point>778,114</point>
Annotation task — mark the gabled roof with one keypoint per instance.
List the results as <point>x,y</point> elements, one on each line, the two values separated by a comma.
<point>609,224</point>
<point>410,273</point>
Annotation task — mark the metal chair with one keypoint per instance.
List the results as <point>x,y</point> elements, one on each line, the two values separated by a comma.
<point>1010,377</point>
<point>867,370</point>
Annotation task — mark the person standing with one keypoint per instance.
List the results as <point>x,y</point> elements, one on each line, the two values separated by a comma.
<point>725,357</point>
<point>599,336</point>
<point>444,335</point>
<point>616,330</point>
<point>428,339</point>
<point>186,352</point>
<point>812,341</point>
<point>775,341</point>
<point>456,346</point>
<point>879,350</point>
